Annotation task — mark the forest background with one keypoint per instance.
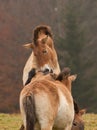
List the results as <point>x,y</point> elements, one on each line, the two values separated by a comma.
<point>74,25</point>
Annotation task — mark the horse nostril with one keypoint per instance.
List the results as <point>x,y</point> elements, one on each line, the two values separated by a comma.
<point>82,127</point>
<point>44,51</point>
<point>46,71</point>
<point>51,71</point>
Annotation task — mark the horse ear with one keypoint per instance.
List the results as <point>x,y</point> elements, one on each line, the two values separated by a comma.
<point>73,77</point>
<point>29,45</point>
<point>82,111</point>
<point>44,40</point>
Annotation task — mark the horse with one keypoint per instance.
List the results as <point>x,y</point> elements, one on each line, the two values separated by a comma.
<point>46,103</point>
<point>34,62</point>
<point>78,123</point>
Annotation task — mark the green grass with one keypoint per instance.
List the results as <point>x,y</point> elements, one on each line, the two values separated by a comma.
<point>10,121</point>
<point>13,121</point>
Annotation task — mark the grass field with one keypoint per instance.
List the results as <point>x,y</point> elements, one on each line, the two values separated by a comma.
<point>13,121</point>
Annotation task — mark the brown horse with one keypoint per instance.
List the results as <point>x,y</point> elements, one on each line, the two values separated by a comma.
<point>78,123</point>
<point>46,103</point>
<point>43,42</point>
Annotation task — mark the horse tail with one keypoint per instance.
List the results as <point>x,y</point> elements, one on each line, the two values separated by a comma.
<point>29,109</point>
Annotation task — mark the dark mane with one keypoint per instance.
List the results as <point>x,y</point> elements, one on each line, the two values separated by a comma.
<point>65,72</point>
<point>76,107</point>
<point>46,30</point>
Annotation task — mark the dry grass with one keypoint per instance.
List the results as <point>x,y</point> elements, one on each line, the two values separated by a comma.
<point>13,121</point>
<point>90,121</point>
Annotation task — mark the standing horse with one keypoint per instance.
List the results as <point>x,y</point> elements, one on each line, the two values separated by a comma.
<point>78,123</point>
<point>46,103</point>
<point>34,62</point>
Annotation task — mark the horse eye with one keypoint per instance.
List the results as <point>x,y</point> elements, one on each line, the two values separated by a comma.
<point>44,51</point>
<point>74,123</point>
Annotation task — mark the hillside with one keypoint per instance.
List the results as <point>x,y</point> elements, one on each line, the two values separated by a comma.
<point>17,20</point>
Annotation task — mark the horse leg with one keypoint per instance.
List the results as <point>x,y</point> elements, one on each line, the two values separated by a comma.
<point>44,111</point>
<point>46,127</point>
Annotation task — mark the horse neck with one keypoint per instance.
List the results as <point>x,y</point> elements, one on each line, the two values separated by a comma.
<point>67,84</point>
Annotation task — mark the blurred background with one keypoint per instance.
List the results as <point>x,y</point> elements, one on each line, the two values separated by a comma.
<point>74,26</point>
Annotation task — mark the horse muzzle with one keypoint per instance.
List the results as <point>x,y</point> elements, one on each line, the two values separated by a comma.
<point>77,126</point>
<point>46,69</point>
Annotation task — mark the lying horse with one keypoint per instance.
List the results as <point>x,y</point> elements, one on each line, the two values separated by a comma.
<point>44,61</point>
<point>46,103</point>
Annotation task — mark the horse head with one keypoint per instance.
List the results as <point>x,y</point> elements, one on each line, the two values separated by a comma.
<point>66,78</point>
<point>78,123</point>
<point>44,54</point>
